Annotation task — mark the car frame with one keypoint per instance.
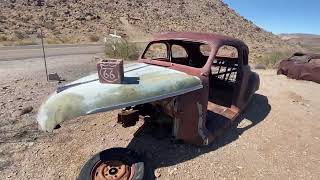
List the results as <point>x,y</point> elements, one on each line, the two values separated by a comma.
<point>196,108</point>
<point>208,89</point>
<point>301,66</point>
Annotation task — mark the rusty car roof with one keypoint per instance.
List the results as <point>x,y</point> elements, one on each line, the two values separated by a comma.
<point>308,55</point>
<point>196,36</point>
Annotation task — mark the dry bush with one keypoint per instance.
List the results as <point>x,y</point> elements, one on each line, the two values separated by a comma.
<point>63,40</point>
<point>69,40</point>
<point>8,43</point>
<point>122,49</point>
<point>15,41</point>
<point>272,59</point>
<point>20,35</point>
<point>3,38</point>
<point>54,41</point>
<point>93,38</point>
<point>24,42</point>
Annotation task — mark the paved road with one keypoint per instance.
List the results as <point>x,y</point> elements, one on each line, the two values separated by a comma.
<point>27,52</point>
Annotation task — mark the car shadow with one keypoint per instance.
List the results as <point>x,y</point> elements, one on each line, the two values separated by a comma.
<point>164,152</point>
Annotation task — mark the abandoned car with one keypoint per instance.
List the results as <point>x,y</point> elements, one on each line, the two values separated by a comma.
<point>201,81</point>
<point>301,66</point>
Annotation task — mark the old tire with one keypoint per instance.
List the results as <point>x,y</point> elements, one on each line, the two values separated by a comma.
<point>115,163</point>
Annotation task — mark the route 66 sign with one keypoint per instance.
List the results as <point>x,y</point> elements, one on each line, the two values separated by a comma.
<point>110,71</point>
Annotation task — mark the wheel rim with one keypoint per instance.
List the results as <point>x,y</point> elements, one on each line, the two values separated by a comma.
<point>112,170</point>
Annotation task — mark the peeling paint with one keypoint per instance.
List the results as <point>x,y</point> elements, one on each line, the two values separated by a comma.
<point>89,96</point>
<point>55,111</point>
<point>201,125</point>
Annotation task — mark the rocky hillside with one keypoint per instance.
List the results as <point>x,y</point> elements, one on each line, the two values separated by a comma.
<point>82,20</point>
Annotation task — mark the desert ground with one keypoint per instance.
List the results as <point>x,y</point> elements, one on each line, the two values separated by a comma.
<point>277,136</point>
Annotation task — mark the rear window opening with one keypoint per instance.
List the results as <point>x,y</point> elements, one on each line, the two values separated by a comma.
<point>223,76</point>
<point>225,65</point>
<point>228,52</point>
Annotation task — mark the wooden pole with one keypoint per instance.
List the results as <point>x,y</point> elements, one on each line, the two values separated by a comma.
<point>44,55</point>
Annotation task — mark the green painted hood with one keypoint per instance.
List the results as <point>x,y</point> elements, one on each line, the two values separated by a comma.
<point>143,83</point>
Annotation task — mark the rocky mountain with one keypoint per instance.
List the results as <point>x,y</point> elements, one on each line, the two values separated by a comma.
<point>80,20</point>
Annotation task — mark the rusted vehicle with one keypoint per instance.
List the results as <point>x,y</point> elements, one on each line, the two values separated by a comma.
<point>200,81</point>
<point>301,66</point>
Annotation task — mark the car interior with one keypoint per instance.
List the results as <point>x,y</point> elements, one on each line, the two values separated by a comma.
<point>195,54</point>
<point>224,76</point>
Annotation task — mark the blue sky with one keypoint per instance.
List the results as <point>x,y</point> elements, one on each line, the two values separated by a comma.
<point>281,16</point>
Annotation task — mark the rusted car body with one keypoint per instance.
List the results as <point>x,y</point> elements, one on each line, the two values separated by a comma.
<point>201,93</point>
<point>301,66</point>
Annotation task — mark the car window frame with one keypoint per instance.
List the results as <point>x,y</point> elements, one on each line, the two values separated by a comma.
<point>185,50</point>
<point>156,42</point>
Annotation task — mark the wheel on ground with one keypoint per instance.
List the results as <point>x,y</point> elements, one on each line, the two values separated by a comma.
<point>113,164</point>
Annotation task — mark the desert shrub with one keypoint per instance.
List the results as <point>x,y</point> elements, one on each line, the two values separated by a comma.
<point>25,42</point>
<point>69,40</point>
<point>122,49</point>
<point>3,38</point>
<point>93,38</point>
<point>20,35</point>
<point>7,43</point>
<point>60,40</point>
<point>54,41</point>
<point>272,59</point>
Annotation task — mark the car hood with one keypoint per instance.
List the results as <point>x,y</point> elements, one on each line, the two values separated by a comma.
<point>142,83</point>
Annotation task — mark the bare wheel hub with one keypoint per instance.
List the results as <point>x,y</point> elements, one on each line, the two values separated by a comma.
<point>111,170</point>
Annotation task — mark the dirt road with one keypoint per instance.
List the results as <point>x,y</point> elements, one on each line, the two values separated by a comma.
<point>277,137</point>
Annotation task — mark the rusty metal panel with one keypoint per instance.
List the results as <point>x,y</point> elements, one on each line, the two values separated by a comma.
<point>301,66</point>
<point>202,37</point>
<point>128,117</point>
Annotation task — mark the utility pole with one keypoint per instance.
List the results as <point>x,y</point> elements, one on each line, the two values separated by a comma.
<point>44,55</point>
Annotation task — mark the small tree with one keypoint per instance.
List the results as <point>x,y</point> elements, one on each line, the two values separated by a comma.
<point>120,48</point>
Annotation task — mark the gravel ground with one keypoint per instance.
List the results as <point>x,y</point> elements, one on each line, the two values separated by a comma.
<point>277,137</point>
